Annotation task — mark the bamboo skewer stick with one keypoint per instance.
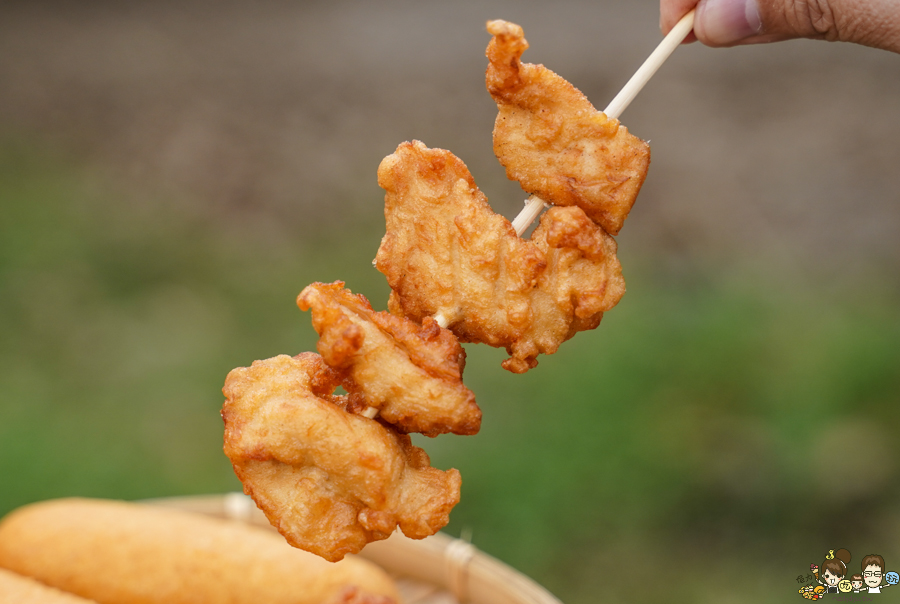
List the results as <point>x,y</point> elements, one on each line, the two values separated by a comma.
<point>640,78</point>
<point>370,412</point>
<point>535,205</point>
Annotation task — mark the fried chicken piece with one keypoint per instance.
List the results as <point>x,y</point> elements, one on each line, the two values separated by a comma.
<point>583,280</point>
<point>552,140</point>
<point>411,373</point>
<point>330,481</point>
<point>446,253</point>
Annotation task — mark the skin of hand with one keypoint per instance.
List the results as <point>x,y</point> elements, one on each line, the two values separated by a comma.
<point>874,23</point>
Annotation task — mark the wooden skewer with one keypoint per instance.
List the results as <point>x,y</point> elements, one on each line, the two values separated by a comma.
<point>535,205</point>
<point>640,78</point>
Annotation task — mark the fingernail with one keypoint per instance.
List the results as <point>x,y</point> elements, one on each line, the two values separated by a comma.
<point>723,22</point>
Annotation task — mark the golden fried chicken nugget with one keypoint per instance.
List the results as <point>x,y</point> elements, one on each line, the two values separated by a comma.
<point>115,552</point>
<point>330,481</point>
<point>552,140</point>
<point>411,373</point>
<point>446,254</point>
<point>16,589</point>
<point>583,280</point>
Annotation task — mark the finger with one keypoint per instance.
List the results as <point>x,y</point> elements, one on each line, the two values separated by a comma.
<point>671,11</point>
<point>873,23</point>
<point>728,22</point>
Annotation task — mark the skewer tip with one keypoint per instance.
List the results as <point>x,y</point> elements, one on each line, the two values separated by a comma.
<point>370,412</point>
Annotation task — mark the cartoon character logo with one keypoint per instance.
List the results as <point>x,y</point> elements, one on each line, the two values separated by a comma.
<point>873,573</point>
<point>812,593</point>
<point>833,569</point>
<point>831,577</point>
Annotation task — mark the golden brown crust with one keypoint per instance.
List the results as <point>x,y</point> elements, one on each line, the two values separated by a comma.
<point>582,281</point>
<point>552,140</point>
<point>411,373</point>
<point>16,589</point>
<point>443,240</point>
<point>446,253</point>
<point>328,480</point>
<point>126,553</point>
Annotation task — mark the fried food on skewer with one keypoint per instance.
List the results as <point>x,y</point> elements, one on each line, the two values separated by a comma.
<point>411,373</point>
<point>329,476</point>
<point>552,140</point>
<point>447,253</point>
<point>330,481</point>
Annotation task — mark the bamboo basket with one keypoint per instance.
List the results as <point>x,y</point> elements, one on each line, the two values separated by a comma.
<point>435,570</point>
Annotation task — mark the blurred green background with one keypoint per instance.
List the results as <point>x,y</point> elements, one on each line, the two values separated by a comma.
<point>173,174</point>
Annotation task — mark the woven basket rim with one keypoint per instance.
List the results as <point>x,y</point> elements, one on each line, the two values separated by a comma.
<point>457,566</point>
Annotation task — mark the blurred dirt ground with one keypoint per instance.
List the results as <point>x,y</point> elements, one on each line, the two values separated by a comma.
<point>285,109</point>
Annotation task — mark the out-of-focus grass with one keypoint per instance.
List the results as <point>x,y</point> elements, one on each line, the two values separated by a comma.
<point>701,438</point>
<point>712,438</point>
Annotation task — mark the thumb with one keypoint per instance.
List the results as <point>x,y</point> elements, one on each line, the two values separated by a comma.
<point>873,23</point>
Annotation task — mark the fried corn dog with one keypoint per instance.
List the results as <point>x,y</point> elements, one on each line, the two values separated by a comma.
<point>126,553</point>
<point>16,589</point>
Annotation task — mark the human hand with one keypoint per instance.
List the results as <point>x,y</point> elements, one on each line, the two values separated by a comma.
<point>874,23</point>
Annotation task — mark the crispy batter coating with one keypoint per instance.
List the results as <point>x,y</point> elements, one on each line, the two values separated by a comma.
<point>330,481</point>
<point>583,280</point>
<point>552,140</point>
<point>447,253</point>
<point>411,373</point>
